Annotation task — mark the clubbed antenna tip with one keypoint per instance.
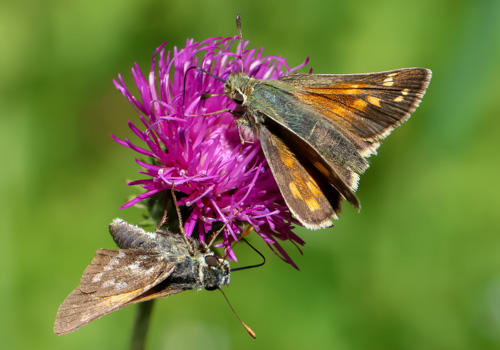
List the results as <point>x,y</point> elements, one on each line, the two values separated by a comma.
<point>249,330</point>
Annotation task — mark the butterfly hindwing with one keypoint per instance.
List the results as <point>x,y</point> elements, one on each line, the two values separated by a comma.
<point>301,192</point>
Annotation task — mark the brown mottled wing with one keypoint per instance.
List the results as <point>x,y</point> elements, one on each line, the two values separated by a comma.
<point>364,107</point>
<point>302,193</point>
<point>110,282</point>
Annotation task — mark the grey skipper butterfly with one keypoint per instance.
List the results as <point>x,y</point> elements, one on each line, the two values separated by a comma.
<point>147,266</point>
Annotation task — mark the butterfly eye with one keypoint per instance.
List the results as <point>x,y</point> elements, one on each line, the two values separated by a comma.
<point>238,98</point>
<point>211,260</point>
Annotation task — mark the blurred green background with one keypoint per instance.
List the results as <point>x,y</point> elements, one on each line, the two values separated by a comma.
<point>418,268</point>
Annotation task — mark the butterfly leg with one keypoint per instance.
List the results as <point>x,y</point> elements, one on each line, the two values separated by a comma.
<point>244,129</point>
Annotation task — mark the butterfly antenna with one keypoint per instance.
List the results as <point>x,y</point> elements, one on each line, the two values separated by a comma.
<point>204,96</point>
<point>251,266</point>
<point>249,330</point>
<point>238,26</point>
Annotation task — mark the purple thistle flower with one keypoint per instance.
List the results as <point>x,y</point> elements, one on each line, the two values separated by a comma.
<point>202,155</point>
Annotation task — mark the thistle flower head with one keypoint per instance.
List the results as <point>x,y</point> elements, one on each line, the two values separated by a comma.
<point>200,154</point>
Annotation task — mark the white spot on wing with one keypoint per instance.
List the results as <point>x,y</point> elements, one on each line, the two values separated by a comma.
<point>109,283</point>
<point>113,262</point>
<point>388,82</point>
<point>121,285</point>
<point>148,271</point>
<point>134,266</point>
<point>97,277</point>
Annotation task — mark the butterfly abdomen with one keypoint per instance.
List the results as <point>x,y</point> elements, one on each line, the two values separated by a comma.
<point>130,236</point>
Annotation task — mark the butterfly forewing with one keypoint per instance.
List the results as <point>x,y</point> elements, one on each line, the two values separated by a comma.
<point>114,272</point>
<point>112,279</point>
<point>364,107</point>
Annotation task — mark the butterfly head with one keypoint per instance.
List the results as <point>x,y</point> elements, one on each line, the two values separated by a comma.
<point>216,272</point>
<point>238,86</point>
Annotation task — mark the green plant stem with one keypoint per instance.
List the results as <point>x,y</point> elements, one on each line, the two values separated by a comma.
<point>141,325</point>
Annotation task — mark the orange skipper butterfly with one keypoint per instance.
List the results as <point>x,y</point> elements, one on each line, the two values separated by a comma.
<point>316,130</point>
